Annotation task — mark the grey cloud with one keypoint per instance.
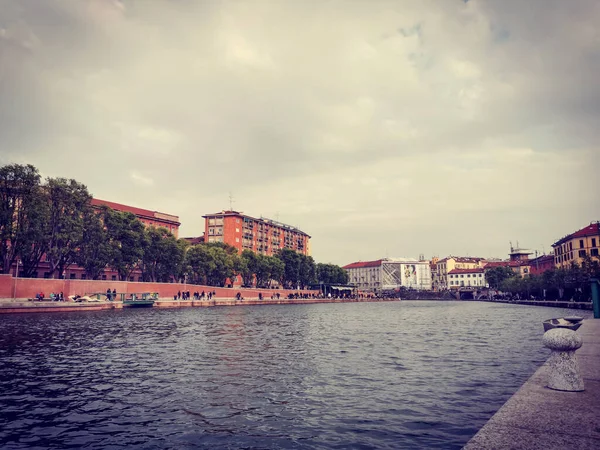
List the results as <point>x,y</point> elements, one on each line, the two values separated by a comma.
<point>317,112</point>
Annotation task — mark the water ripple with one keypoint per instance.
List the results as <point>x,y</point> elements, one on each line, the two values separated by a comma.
<point>358,375</point>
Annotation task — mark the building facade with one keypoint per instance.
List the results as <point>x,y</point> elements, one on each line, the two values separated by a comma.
<point>444,266</point>
<point>389,274</point>
<point>263,236</point>
<point>147,217</point>
<point>520,268</point>
<point>465,278</point>
<point>576,246</point>
<point>541,264</point>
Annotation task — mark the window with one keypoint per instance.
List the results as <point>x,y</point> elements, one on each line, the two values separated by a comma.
<point>462,276</point>
<point>130,278</point>
<point>114,278</point>
<point>104,277</point>
<point>581,243</point>
<point>72,276</point>
<point>237,239</point>
<point>469,275</point>
<point>593,242</point>
<point>237,230</point>
<point>83,276</point>
<point>480,275</point>
<point>594,252</point>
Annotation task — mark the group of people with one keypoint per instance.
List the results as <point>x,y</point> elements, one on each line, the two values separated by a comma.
<point>197,295</point>
<point>53,297</point>
<point>111,295</point>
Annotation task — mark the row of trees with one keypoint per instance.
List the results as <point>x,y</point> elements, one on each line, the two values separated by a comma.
<point>55,218</point>
<point>563,283</point>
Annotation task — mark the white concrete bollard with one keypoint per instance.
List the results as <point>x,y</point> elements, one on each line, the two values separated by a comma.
<point>564,368</point>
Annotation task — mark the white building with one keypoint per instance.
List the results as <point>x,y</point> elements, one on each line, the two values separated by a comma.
<point>390,274</point>
<point>461,278</point>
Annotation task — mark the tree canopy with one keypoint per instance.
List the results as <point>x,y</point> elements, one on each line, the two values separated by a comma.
<point>55,218</point>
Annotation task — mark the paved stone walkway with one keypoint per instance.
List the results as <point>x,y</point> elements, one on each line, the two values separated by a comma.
<point>540,418</point>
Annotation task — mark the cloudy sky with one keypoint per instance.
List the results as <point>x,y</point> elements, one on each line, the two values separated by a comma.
<point>381,128</point>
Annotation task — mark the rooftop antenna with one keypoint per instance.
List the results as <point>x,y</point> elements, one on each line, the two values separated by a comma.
<point>511,247</point>
<point>231,201</point>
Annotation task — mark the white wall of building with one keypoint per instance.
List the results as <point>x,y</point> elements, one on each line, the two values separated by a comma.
<point>392,274</point>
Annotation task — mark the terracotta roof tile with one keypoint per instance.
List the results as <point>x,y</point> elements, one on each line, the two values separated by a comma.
<point>477,270</point>
<point>593,229</point>
<point>133,210</point>
<point>361,264</point>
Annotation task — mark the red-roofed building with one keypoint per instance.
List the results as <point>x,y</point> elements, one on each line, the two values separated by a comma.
<point>459,278</point>
<point>520,267</point>
<point>389,274</point>
<point>195,240</point>
<point>445,265</point>
<point>147,217</point>
<point>541,264</point>
<point>576,246</point>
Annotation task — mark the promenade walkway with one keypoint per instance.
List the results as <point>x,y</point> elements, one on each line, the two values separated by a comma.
<point>540,418</point>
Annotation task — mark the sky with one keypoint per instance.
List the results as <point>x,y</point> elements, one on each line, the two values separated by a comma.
<point>380,128</point>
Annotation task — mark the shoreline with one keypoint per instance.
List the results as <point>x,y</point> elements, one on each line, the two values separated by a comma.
<point>16,306</point>
<point>547,303</point>
<point>8,306</point>
<point>538,417</point>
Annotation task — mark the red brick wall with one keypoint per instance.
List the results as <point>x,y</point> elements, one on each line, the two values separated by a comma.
<point>28,287</point>
<point>6,286</point>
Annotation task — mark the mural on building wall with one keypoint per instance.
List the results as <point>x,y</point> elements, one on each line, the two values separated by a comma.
<point>410,275</point>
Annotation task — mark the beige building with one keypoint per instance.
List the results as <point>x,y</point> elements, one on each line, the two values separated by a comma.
<point>444,266</point>
<point>576,246</point>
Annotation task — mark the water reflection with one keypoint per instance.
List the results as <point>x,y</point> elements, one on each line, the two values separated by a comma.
<point>380,375</point>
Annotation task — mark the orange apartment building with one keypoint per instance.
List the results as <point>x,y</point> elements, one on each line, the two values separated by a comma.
<point>263,236</point>
<point>574,247</point>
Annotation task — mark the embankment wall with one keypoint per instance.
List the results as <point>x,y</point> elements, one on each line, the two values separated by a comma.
<point>11,287</point>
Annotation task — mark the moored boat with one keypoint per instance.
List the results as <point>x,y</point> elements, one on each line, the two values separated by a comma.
<point>571,323</point>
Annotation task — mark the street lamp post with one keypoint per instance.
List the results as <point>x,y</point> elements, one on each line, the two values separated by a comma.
<point>16,278</point>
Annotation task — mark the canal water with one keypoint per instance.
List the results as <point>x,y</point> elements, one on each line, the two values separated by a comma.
<point>411,374</point>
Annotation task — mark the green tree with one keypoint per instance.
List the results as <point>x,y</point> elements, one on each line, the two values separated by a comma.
<point>162,257</point>
<point>198,262</point>
<point>247,267</point>
<point>18,184</point>
<point>126,238</point>
<point>496,276</point>
<point>69,201</point>
<point>331,274</point>
<point>263,270</point>
<point>94,252</point>
<point>307,271</point>
<point>291,262</point>
<point>277,268</point>
<point>222,266</point>
<point>34,231</point>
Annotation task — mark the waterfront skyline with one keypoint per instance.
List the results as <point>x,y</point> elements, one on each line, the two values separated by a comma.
<point>379,128</point>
